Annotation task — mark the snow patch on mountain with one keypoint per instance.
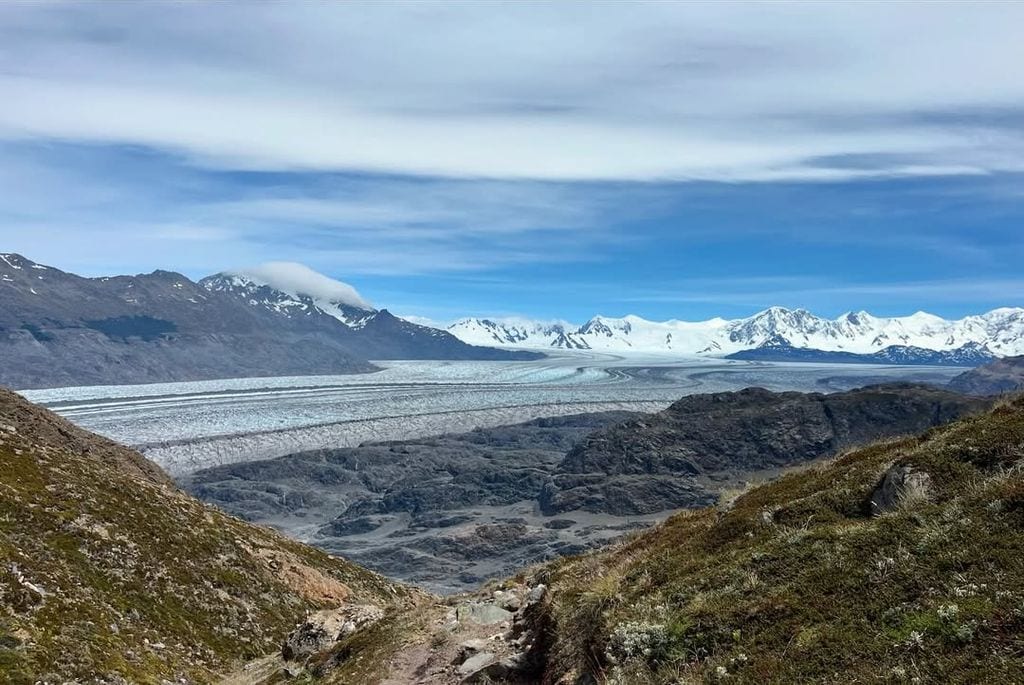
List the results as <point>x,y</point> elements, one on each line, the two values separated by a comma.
<point>1000,331</point>
<point>510,331</point>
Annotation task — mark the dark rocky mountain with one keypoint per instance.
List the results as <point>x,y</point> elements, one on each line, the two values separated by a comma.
<point>451,510</point>
<point>999,377</point>
<point>719,435</point>
<point>969,354</point>
<point>369,332</point>
<point>57,328</point>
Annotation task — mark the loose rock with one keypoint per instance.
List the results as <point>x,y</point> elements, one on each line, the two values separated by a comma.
<point>476,662</point>
<point>323,628</point>
<point>483,614</point>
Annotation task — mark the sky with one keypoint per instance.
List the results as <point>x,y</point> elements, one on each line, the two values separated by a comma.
<point>550,160</point>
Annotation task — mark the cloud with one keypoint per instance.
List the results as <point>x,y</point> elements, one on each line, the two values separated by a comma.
<point>70,204</point>
<point>765,92</point>
<point>299,279</point>
<point>797,291</point>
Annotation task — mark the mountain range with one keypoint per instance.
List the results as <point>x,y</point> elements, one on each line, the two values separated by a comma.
<point>775,334</point>
<point>57,328</point>
<point>282,318</point>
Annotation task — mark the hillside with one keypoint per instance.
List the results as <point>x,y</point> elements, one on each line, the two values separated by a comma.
<point>1001,376</point>
<point>894,562</point>
<point>898,562</point>
<point>108,573</point>
<point>797,581</point>
<point>722,436</point>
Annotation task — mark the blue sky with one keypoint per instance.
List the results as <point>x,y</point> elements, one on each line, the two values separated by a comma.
<point>549,160</point>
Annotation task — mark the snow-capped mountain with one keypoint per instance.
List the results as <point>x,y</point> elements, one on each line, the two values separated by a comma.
<point>999,332</point>
<point>294,290</point>
<point>310,299</point>
<point>513,332</point>
<point>58,328</point>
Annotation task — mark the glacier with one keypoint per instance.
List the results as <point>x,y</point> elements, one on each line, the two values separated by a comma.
<point>186,426</point>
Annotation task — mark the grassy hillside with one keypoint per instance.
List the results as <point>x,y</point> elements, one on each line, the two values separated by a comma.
<point>797,581</point>
<point>108,572</point>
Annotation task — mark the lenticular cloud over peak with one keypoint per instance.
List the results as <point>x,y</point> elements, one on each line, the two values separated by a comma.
<point>299,279</point>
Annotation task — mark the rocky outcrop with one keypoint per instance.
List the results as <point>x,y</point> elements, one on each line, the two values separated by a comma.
<point>1000,377</point>
<point>514,655</point>
<point>445,512</point>
<point>756,429</point>
<point>450,511</point>
<point>621,495</point>
<point>900,486</point>
<point>323,628</point>
<point>666,460</point>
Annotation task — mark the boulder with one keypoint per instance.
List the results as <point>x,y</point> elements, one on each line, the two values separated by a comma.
<point>323,628</point>
<point>509,669</point>
<point>482,614</point>
<point>469,649</point>
<point>507,599</point>
<point>476,662</point>
<point>899,485</point>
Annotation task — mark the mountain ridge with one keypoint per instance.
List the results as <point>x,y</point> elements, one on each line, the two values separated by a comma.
<point>61,329</point>
<point>999,332</point>
<point>997,378</point>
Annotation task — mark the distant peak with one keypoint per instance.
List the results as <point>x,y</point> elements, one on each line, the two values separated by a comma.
<point>925,316</point>
<point>774,312</point>
<point>15,260</point>
<point>298,279</point>
<point>857,317</point>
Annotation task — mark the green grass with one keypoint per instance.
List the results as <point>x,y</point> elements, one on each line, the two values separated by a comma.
<point>796,582</point>
<point>140,581</point>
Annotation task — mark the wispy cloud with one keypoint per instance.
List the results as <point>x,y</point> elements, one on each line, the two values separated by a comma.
<point>795,291</point>
<point>72,208</point>
<point>515,156</point>
<point>658,91</point>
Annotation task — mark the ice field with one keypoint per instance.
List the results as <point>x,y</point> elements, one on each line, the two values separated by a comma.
<point>185,426</point>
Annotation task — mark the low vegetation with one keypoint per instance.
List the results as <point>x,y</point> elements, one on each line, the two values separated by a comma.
<point>798,581</point>
<point>108,576</point>
<point>899,562</point>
